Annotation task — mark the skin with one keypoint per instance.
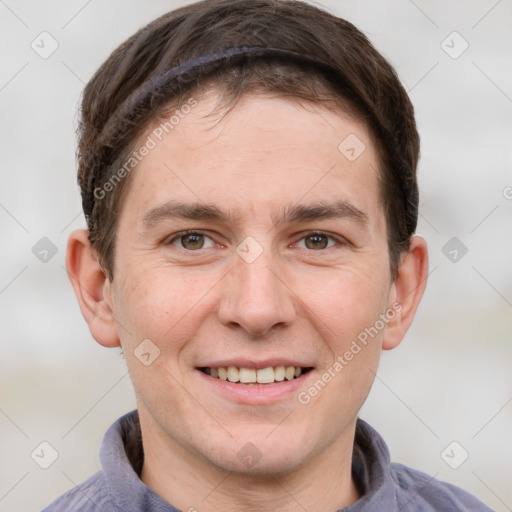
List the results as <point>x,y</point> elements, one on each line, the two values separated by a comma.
<point>267,155</point>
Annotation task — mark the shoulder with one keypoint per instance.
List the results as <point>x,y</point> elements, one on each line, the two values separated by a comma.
<point>90,496</point>
<point>422,492</point>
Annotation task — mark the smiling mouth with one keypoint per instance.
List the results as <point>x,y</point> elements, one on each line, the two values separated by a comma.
<point>268,375</point>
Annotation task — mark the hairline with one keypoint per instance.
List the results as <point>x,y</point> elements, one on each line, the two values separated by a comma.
<point>334,102</point>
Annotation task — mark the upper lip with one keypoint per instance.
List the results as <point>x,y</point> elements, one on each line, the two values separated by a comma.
<point>255,364</point>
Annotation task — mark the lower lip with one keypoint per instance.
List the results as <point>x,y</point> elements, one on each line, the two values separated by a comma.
<point>255,393</point>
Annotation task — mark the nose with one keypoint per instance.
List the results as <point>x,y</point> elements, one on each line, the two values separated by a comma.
<point>256,298</point>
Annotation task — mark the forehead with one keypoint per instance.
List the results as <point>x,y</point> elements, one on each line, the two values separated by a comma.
<point>267,154</point>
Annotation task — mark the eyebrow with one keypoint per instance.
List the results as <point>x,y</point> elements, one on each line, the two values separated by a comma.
<point>291,214</point>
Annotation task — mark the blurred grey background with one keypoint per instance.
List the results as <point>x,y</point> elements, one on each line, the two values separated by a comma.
<point>442,400</point>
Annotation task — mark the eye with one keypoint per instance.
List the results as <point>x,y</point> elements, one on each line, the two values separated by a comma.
<point>192,241</point>
<point>316,242</point>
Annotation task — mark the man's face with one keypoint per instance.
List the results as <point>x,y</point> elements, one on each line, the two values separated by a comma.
<point>272,252</point>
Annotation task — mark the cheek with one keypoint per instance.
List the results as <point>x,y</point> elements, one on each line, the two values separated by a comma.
<point>155,305</point>
<point>162,305</point>
<point>345,301</point>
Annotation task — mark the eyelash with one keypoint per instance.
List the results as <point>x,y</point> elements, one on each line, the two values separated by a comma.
<point>338,240</point>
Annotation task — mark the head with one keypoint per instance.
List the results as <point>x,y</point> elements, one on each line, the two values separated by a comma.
<point>253,208</point>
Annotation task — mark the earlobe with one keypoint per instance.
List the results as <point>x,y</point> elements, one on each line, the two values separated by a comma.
<point>92,289</point>
<point>407,291</point>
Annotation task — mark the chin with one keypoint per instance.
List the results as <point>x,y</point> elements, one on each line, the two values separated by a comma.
<point>257,453</point>
<point>262,463</point>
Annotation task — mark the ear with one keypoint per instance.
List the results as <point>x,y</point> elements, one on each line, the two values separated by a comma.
<point>406,291</point>
<point>92,289</point>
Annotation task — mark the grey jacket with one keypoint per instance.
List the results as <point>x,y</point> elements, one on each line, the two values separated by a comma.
<point>384,486</point>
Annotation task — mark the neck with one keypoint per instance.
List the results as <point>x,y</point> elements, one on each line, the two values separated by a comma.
<point>191,483</point>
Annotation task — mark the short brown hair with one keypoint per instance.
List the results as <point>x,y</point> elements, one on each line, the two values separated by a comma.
<point>339,67</point>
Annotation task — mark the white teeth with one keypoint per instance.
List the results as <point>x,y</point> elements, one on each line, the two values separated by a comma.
<point>250,375</point>
<point>266,375</point>
<point>233,374</point>
<point>279,373</point>
<point>247,375</point>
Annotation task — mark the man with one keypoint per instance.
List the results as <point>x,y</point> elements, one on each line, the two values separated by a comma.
<point>248,175</point>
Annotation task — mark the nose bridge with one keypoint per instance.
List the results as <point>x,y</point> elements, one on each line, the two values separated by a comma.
<point>255,297</point>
